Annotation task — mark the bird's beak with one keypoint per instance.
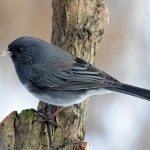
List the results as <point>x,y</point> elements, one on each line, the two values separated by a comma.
<point>6,53</point>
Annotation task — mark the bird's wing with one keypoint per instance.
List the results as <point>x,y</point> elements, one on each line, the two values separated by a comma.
<point>80,76</point>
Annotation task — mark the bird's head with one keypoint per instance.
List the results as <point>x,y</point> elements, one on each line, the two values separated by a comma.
<point>24,49</point>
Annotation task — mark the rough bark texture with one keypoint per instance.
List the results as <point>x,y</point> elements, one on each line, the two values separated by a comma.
<point>78,26</point>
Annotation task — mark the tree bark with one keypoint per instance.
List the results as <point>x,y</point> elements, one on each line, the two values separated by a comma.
<point>78,26</point>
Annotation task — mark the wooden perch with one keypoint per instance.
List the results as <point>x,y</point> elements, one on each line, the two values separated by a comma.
<point>78,26</point>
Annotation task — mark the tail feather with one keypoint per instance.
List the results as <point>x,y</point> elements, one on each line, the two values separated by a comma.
<point>132,90</point>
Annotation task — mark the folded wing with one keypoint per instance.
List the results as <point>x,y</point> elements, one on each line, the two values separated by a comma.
<point>80,76</point>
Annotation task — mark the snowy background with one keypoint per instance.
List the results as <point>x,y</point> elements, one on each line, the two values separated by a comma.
<point>115,121</point>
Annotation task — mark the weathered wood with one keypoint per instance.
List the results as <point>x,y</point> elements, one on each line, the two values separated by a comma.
<point>78,26</point>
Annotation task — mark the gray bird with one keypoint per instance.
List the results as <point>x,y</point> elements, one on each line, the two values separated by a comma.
<point>56,77</point>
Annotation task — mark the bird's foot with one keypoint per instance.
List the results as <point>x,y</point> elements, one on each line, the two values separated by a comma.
<point>47,118</point>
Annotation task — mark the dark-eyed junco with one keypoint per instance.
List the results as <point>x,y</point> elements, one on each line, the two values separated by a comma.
<point>56,77</point>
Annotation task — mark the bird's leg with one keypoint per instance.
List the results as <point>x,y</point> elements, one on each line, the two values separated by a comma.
<point>48,117</point>
<point>56,112</point>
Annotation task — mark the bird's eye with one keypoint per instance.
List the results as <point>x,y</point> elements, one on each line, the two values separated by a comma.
<point>20,50</point>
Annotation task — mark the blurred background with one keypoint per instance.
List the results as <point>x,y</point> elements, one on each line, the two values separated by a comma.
<point>115,121</point>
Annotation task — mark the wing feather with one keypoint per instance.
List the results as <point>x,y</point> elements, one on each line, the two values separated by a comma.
<point>80,76</point>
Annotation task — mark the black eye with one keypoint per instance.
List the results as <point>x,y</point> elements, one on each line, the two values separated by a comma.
<point>20,50</point>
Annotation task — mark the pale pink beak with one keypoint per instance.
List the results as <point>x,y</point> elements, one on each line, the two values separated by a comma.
<point>5,53</point>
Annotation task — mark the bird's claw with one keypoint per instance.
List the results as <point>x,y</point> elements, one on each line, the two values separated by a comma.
<point>46,119</point>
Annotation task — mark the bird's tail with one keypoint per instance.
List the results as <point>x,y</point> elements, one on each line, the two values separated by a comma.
<point>132,90</point>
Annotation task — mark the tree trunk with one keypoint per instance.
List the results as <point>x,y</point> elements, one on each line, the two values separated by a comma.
<point>78,26</point>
